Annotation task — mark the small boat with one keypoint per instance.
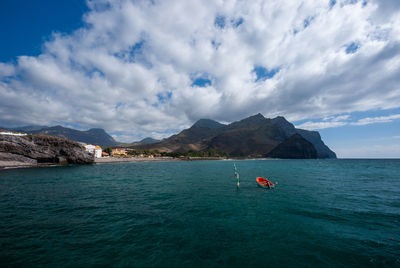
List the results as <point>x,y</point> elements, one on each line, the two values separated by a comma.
<point>265,183</point>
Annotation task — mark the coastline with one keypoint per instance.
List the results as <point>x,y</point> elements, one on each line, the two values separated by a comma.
<point>105,160</point>
<point>4,165</point>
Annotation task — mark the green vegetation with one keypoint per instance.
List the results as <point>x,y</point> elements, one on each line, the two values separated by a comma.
<point>108,150</point>
<point>207,153</point>
<point>143,152</point>
<point>156,153</point>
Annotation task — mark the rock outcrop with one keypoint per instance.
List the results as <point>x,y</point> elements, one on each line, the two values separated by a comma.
<point>32,150</point>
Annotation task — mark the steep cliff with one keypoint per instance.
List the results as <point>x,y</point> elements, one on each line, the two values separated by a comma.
<point>295,147</point>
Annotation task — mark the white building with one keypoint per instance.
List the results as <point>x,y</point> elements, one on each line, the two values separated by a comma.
<point>12,133</point>
<point>94,149</point>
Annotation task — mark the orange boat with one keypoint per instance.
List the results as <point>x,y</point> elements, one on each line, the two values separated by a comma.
<point>264,183</point>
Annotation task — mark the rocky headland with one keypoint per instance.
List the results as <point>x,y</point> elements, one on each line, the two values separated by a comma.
<point>37,150</point>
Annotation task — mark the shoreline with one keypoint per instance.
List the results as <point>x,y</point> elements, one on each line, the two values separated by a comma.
<point>5,165</point>
<point>105,160</point>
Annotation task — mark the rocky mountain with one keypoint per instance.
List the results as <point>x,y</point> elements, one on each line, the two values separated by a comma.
<point>189,139</point>
<point>39,149</point>
<point>95,136</point>
<point>208,123</point>
<point>254,136</point>
<point>148,140</point>
<point>27,128</point>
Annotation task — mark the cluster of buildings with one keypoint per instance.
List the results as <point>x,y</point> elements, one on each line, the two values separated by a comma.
<point>119,152</point>
<point>97,151</point>
<point>122,152</point>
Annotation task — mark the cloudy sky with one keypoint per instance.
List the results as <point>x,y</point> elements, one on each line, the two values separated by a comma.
<point>151,68</point>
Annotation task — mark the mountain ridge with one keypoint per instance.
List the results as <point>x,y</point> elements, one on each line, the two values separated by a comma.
<point>96,136</point>
<point>254,136</point>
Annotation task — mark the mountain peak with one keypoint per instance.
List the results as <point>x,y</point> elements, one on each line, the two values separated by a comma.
<point>148,140</point>
<point>254,118</point>
<point>280,120</point>
<point>96,130</point>
<point>208,123</point>
<point>258,116</point>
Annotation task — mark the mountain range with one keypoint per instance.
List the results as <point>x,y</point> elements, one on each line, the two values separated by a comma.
<point>95,136</point>
<point>255,136</point>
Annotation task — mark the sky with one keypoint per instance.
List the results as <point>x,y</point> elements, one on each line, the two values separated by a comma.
<point>152,68</point>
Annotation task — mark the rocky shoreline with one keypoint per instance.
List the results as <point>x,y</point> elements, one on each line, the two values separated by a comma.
<point>15,164</point>
<point>40,150</point>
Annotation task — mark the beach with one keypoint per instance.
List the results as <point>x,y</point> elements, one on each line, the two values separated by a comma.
<point>103,160</point>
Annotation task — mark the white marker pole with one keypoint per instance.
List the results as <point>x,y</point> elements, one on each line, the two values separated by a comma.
<point>236,176</point>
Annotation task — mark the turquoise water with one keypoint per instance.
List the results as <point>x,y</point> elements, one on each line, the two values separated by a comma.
<point>324,213</point>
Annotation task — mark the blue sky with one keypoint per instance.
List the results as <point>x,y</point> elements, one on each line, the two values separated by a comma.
<point>375,140</point>
<point>141,68</point>
<point>27,24</point>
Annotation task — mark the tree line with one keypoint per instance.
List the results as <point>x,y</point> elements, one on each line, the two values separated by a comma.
<point>190,153</point>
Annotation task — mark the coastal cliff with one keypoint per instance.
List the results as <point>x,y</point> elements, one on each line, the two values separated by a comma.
<point>32,150</point>
<point>295,147</point>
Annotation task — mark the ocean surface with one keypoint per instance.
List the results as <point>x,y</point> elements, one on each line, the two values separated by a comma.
<point>322,213</point>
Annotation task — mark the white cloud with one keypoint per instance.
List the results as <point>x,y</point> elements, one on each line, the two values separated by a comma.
<point>374,120</point>
<point>344,120</point>
<point>321,125</point>
<point>6,70</point>
<point>112,72</point>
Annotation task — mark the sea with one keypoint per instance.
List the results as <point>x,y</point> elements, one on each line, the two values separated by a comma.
<point>322,213</point>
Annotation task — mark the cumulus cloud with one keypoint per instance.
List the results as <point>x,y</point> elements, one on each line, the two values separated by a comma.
<point>344,120</point>
<point>321,125</point>
<point>6,70</point>
<point>132,68</point>
<point>379,119</point>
